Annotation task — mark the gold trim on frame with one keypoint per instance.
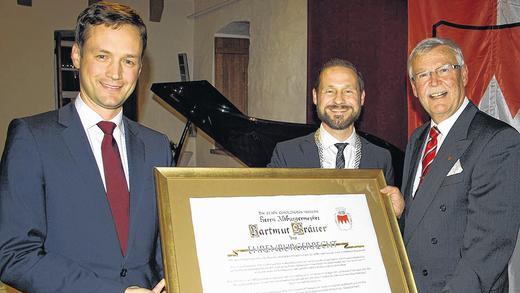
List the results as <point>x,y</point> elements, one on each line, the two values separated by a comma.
<point>6,289</point>
<point>176,185</point>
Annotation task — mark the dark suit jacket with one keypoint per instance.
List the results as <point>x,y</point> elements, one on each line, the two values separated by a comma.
<point>56,228</point>
<point>302,152</point>
<point>460,229</point>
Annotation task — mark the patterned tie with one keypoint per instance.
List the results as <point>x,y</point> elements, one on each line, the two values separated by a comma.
<point>429,152</point>
<point>340,158</point>
<point>117,189</point>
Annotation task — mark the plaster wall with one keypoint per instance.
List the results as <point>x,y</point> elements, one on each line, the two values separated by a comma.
<point>277,59</point>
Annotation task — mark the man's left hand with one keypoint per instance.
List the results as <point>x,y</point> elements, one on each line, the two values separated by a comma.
<point>396,197</point>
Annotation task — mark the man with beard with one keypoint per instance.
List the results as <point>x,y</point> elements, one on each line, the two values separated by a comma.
<point>338,94</point>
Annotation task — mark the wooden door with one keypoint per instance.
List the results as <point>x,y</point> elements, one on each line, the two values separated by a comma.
<point>231,63</point>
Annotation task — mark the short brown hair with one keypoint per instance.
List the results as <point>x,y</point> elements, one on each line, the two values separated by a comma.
<point>341,63</point>
<point>110,14</point>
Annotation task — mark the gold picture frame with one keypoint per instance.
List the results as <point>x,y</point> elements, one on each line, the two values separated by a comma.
<point>175,187</point>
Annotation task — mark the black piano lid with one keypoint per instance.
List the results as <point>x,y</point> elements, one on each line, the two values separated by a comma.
<point>251,140</point>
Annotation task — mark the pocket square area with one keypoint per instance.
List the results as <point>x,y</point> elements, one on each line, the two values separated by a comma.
<point>456,169</point>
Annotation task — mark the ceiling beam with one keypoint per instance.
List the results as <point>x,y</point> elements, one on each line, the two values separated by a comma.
<point>24,2</point>
<point>156,7</point>
<point>156,10</point>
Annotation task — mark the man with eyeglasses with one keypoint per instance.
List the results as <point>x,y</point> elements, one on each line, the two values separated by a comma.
<point>460,181</point>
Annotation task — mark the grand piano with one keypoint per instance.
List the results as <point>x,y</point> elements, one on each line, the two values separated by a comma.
<point>251,140</point>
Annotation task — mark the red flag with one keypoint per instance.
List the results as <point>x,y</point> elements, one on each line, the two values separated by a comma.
<point>491,51</point>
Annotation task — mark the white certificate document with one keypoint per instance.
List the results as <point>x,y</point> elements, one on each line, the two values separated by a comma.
<point>275,244</point>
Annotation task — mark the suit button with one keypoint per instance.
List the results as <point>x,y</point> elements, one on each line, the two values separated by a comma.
<point>425,273</point>
<point>123,273</point>
<point>442,208</point>
<point>434,240</point>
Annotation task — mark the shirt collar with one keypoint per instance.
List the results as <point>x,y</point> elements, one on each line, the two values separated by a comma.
<point>446,125</point>
<point>327,140</point>
<point>89,118</point>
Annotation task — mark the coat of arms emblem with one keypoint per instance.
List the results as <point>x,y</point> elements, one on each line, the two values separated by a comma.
<point>343,219</point>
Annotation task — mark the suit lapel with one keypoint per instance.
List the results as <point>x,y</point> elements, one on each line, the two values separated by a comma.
<point>136,158</point>
<point>450,151</point>
<point>309,151</point>
<point>414,164</point>
<point>416,156</point>
<point>365,158</point>
<point>76,140</point>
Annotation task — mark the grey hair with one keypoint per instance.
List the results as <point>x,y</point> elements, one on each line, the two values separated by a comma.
<point>427,45</point>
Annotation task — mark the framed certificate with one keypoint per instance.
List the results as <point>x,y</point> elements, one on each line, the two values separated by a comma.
<point>6,289</point>
<point>279,230</point>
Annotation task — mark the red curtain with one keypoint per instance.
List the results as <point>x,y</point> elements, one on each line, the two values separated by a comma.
<point>491,52</point>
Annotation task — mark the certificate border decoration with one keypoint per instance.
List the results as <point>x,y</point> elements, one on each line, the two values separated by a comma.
<point>175,187</point>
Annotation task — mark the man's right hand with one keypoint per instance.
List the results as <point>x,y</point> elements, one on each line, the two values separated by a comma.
<point>135,289</point>
<point>157,289</point>
<point>397,199</point>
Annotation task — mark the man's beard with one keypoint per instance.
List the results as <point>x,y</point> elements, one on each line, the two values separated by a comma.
<point>341,123</point>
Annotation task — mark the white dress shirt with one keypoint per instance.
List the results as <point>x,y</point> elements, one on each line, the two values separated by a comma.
<point>89,119</point>
<point>444,128</point>
<point>330,151</point>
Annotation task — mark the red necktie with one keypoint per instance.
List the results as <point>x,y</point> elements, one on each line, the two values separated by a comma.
<point>430,151</point>
<point>117,189</point>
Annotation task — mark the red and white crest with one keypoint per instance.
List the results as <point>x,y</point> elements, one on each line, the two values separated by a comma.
<point>343,219</point>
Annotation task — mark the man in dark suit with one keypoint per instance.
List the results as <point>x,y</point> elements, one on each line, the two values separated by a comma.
<point>460,181</point>
<point>338,95</point>
<point>77,197</point>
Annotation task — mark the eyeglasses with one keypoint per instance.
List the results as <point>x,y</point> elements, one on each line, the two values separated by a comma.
<point>441,71</point>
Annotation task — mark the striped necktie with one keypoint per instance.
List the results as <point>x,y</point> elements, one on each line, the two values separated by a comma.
<point>429,152</point>
<point>340,157</point>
